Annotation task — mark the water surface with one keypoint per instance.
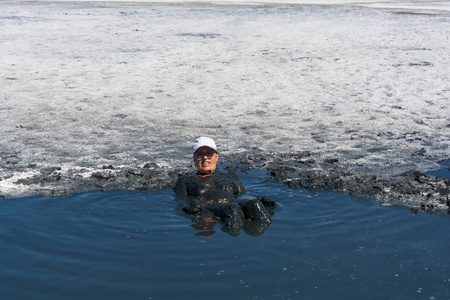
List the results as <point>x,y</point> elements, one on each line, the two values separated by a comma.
<point>120,245</point>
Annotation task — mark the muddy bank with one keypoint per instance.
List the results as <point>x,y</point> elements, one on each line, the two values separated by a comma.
<point>100,96</point>
<point>416,190</point>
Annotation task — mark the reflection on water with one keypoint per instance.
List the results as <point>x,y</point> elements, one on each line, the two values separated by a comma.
<point>205,227</point>
<point>120,245</point>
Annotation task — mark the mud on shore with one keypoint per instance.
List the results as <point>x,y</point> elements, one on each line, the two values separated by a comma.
<point>413,189</point>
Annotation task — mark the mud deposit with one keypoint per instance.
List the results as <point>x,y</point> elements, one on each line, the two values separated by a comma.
<point>103,96</point>
<point>416,190</point>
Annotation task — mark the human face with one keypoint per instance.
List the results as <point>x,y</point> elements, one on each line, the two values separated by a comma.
<point>204,163</point>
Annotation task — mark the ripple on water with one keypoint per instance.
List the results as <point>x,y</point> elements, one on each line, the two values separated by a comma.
<point>121,245</point>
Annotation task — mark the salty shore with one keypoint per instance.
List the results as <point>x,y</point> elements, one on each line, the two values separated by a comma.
<point>104,95</point>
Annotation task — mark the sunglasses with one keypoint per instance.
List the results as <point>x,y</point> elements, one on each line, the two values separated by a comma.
<point>208,154</point>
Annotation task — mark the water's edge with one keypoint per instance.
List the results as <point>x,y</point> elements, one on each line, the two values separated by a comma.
<point>413,189</point>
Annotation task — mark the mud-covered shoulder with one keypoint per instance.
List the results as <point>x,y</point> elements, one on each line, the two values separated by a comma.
<point>182,184</point>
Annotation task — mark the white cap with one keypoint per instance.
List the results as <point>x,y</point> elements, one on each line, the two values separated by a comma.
<point>204,142</point>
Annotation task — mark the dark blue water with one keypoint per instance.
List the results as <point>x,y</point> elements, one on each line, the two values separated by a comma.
<point>444,171</point>
<point>120,245</point>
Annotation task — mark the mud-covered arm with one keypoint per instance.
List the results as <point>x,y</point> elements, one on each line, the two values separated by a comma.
<point>238,183</point>
<point>181,186</point>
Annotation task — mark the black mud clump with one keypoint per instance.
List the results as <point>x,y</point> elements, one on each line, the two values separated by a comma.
<point>418,191</point>
<point>54,182</point>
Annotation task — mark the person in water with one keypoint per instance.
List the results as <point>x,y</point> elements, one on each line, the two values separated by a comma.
<point>216,192</point>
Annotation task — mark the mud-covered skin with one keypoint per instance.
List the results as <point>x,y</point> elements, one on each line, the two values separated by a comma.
<point>217,194</point>
<point>416,190</point>
<point>255,210</point>
<point>253,216</point>
<point>217,187</point>
<point>231,216</point>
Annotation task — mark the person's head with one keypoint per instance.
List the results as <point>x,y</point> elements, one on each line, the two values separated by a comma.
<point>205,155</point>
